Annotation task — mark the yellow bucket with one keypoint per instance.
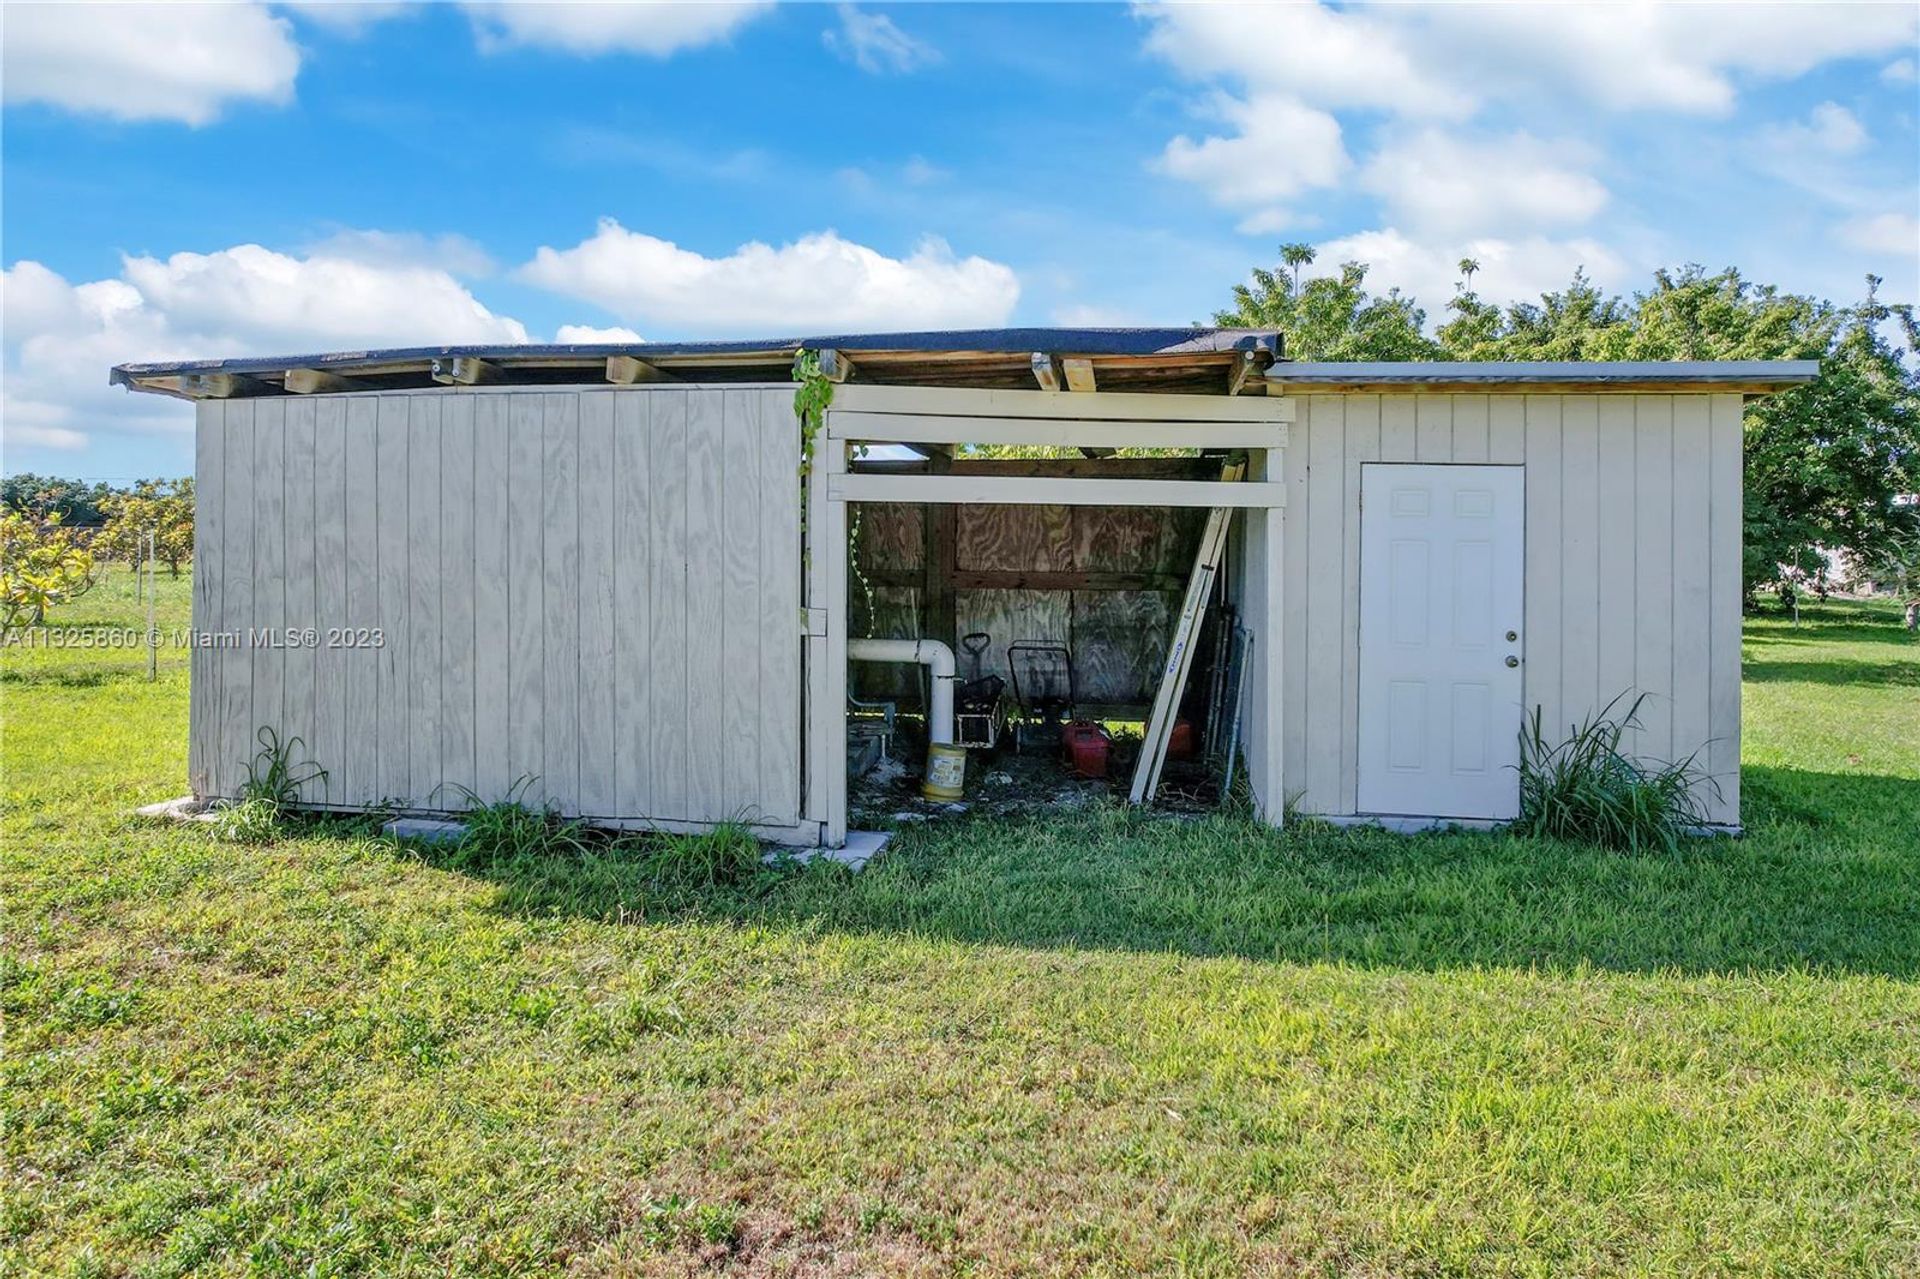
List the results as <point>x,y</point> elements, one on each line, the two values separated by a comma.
<point>946,772</point>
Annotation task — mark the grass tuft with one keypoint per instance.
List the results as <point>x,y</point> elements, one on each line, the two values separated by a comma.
<point>1584,790</point>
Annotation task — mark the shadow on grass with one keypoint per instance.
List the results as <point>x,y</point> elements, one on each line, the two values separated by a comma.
<point>1880,674</point>
<point>1828,879</point>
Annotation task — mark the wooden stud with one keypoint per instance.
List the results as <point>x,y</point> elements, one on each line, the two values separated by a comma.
<point>1242,372</point>
<point>835,366</point>
<point>464,370</point>
<point>321,382</point>
<point>628,370</point>
<point>1079,374</point>
<point>1047,372</point>
<point>222,386</point>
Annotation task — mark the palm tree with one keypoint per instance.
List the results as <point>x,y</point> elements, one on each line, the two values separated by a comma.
<point>1296,255</point>
<point>1467,267</point>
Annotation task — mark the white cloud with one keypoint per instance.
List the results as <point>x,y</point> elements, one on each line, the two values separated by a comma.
<point>267,302</point>
<point>653,28</point>
<point>1897,234</point>
<point>818,283</point>
<point>1331,58</point>
<point>876,44</point>
<point>185,62</point>
<point>1900,71</point>
<point>1269,221</point>
<point>1278,149</point>
<point>455,254</point>
<point>919,171</point>
<point>1510,269</point>
<point>61,337</point>
<point>587,335</point>
<point>1088,316</point>
<point>1437,183</point>
<point>1448,60</point>
<point>1829,130</point>
<point>1679,58</point>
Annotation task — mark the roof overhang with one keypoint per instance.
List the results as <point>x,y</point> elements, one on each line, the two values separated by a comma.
<point>1171,359</point>
<point>1599,377</point>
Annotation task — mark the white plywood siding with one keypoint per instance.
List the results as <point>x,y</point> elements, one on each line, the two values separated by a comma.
<point>1632,577</point>
<point>593,595</point>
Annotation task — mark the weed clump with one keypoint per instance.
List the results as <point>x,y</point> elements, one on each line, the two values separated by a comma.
<point>1585,790</point>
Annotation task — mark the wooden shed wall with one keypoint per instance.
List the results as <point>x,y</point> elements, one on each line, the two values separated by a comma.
<point>598,589</point>
<point>1633,530</point>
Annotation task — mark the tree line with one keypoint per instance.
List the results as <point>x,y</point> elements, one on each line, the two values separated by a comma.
<point>1830,466</point>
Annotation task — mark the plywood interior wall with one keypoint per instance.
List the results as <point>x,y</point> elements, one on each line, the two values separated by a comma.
<point>1117,631</point>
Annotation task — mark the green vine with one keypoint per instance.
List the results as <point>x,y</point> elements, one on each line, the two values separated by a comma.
<point>811,398</point>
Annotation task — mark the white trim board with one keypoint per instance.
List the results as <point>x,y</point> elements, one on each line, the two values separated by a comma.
<point>1080,406</point>
<point>1034,491</point>
<point>926,428</point>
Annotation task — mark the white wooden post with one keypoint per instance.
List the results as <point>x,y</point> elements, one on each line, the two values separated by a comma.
<point>829,465</point>
<point>1269,718</point>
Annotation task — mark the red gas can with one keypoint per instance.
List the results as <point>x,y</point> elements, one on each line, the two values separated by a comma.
<point>1086,745</point>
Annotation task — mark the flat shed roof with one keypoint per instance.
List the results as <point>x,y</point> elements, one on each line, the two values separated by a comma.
<point>1201,360</point>
<point>1186,360</point>
<point>1750,376</point>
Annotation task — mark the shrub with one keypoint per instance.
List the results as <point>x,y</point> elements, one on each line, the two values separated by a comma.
<point>43,563</point>
<point>1586,791</point>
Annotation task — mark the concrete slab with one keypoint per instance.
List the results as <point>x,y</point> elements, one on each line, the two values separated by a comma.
<point>427,830</point>
<point>862,846</point>
<point>184,809</point>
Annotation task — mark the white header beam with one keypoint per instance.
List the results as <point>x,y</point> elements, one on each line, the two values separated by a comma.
<point>928,428</point>
<point>1037,491</point>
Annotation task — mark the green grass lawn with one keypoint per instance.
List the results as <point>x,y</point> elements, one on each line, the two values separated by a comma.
<point>1088,1045</point>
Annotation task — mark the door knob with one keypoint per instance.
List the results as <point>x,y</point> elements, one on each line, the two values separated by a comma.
<point>1512,660</point>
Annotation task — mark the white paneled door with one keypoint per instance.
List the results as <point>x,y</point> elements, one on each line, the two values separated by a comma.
<point>1442,553</point>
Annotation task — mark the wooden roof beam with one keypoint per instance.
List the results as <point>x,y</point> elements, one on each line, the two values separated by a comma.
<point>1079,374</point>
<point>464,370</point>
<point>630,370</point>
<point>1245,369</point>
<point>835,366</point>
<point>222,386</point>
<point>321,382</point>
<point>1047,372</point>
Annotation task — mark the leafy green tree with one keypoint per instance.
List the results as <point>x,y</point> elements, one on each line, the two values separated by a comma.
<point>42,563</point>
<point>76,502</point>
<point>1824,463</point>
<point>1330,317</point>
<point>1827,463</point>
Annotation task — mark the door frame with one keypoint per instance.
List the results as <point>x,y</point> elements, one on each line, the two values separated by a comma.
<point>1520,647</point>
<point>953,416</point>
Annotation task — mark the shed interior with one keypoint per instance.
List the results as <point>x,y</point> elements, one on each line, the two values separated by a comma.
<point>1063,614</point>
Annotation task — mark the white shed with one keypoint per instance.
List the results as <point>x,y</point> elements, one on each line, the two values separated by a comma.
<point>593,576</point>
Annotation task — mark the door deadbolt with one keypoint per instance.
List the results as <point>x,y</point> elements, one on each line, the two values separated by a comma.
<point>1512,660</point>
<point>1512,636</point>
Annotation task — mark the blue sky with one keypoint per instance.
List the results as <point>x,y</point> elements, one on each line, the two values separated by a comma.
<point>186,180</point>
